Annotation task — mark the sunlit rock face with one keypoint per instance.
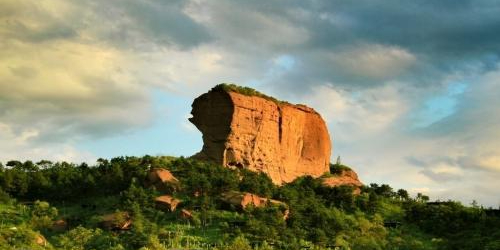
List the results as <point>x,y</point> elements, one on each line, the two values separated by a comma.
<point>346,177</point>
<point>259,133</point>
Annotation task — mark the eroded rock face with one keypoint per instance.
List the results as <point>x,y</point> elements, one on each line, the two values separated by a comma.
<point>282,140</point>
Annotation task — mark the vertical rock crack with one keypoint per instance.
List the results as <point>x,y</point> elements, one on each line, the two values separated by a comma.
<point>280,124</point>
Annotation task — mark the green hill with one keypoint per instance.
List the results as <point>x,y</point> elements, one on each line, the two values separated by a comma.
<point>49,205</point>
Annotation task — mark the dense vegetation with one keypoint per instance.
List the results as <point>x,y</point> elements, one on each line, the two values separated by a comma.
<point>35,195</point>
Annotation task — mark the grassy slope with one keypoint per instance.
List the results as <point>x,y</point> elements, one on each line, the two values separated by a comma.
<point>318,214</point>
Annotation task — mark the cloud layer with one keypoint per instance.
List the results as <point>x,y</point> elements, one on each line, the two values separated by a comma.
<point>410,90</point>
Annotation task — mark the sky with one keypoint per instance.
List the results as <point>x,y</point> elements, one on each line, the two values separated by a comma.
<point>410,90</point>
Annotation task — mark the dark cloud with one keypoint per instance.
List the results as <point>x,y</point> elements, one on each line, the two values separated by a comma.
<point>437,168</point>
<point>415,161</point>
<point>446,27</point>
<point>128,24</point>
<point>441,176</point>
<point>444,37</point>
<point>138,24</point>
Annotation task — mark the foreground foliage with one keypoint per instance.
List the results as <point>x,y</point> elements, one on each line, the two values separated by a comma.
<point>34,196</point>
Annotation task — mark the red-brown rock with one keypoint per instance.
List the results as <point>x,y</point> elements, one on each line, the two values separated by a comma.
<point>60,225</point>
<point>243,200</point>
<point>116,221</point>
<point>282,140</point>
<point>40,240</point>
<point>162,179</point>
<point>167,202</point>
<point>346,177</point>
<point>186,214</point>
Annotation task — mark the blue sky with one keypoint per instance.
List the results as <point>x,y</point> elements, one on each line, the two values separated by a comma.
<point>410,90</point>
<point>169,133</point>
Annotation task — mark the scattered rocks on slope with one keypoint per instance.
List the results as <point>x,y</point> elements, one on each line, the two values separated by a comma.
<point>282,140</point>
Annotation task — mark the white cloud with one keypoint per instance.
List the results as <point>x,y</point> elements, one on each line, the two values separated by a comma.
<point>373,61</point>
<point>18,146</point>
<point>240,25</point>
<point>360,113</point>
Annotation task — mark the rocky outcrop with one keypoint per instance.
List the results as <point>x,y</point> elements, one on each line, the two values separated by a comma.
<point>256,132</point>
<point>345,177</point>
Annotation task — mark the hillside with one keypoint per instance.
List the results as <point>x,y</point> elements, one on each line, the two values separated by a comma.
<point>112,205</point>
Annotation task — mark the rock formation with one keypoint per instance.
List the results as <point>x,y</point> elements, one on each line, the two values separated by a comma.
<point>40,240</point>
<point>116,221</point>
<point>345,177</point>
<point>186,214</point>
<point>243,128</point>
<point>167,202</point>
<point>162,179</point>
<point>59,225</point>
<point>245,199</point>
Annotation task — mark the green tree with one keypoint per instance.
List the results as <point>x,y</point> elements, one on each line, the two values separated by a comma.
<point>42,215</point>
<point>239,243</point>
<point>403,194</point>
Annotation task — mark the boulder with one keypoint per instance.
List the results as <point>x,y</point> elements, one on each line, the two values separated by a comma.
<point>40,240</point>
<point>162,179</point>
<point>345,177</point>
<point>186,214</point>
<point>245,199</point>
<point>116,221</point>
<point>246,129</point>
<point>167,202</point>
<point>59,225</point>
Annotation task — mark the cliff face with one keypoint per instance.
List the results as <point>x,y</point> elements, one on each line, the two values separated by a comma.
<point>282,140</point>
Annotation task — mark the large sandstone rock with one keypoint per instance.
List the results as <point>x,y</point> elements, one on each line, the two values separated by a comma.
<point>259,133</point>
